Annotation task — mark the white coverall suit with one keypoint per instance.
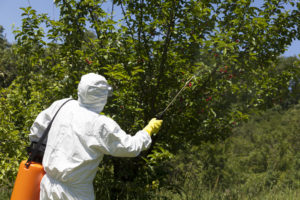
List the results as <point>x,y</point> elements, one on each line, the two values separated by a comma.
<point>78,139</point>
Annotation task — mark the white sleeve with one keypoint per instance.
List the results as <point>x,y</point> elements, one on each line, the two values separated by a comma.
<point>114,141</point>
<point>43,119</point>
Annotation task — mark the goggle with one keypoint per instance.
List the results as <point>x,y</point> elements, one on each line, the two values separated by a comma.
<point>109,90</point>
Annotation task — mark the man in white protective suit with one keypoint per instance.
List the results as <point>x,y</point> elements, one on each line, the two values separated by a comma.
<point>79,138</point>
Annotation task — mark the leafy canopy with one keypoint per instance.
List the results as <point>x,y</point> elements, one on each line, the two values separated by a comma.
<point>147,56</point>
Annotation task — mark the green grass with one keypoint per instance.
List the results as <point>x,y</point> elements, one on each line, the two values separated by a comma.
<point>283,194</point>
<point>278,194</point>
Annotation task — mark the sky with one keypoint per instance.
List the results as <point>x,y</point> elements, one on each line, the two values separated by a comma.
<point>10,18</point>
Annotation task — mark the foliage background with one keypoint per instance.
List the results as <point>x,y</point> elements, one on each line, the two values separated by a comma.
<point>231,47</point>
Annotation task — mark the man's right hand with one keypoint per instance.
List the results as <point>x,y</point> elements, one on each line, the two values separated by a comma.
<point>153,126</point>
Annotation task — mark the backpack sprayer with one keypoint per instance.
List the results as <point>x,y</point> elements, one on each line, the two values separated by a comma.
<point>31,172</point>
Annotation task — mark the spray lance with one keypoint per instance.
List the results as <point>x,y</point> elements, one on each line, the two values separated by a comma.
<point>161,114</point>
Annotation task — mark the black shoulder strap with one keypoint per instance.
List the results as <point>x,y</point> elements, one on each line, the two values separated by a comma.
<point>45,134</point>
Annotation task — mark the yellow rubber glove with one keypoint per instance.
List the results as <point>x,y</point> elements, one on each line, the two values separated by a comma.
<point>153,126</point>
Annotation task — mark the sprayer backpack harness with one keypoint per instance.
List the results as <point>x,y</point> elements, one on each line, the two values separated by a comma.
<point>37,149</point>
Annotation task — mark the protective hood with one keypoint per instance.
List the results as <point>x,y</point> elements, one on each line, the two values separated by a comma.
<point>93,91</point>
